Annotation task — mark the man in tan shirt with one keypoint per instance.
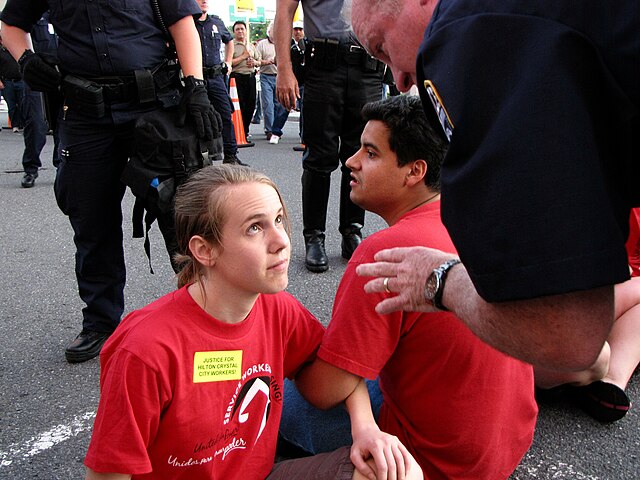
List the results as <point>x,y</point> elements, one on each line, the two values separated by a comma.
<point>244,63</point>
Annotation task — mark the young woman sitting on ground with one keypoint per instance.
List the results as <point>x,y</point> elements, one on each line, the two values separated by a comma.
<point>192,384</point>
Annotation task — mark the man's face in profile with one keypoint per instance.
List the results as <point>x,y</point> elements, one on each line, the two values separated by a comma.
<point>376,177</point>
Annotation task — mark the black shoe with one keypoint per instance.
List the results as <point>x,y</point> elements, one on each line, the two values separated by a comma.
<point>350,242</point>
<point>86,346</point>
<point>603,401</point>
<point>233,160</point>
<point>316,258</point>
<point>29,180</point>
<point>299,148</point>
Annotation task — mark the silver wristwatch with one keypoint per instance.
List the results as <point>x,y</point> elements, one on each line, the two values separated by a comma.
<point>434,287</point>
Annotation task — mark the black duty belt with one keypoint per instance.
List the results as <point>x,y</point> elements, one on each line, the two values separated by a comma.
<point>120,89</point>
<point>216,70</point>
<point>91,95</point>
<point>330,49</point>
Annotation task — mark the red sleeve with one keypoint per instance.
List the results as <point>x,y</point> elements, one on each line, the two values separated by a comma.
<point>128,415</point>
<point>303,336</point>
<point>358,339</point>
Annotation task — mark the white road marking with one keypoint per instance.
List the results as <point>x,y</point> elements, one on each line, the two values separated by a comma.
<point>46,440</point>
<point>560,471</point>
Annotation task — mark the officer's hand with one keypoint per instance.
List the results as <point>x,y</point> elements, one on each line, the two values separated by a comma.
<point>39,71</point>
<point>196,104</point>
<point>287,88</point>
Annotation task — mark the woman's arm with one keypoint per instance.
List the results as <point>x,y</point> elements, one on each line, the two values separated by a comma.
<point>390,457</point>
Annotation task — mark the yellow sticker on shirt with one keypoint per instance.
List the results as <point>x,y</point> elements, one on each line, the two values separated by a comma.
<point>217,366</point>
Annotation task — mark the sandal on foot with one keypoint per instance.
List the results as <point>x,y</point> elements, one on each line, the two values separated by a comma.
<point>604,401</point>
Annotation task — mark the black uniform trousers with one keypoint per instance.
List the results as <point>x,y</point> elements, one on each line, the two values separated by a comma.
<point>247,91</point>
<point>94,152</point>
<point>332,125</point>
<point>35,131</point>
<point>219,98</point>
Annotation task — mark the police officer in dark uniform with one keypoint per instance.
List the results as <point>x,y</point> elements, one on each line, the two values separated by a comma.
<point>299,44</point>
<point>340,79</point>
<point>35,121</point>
<point>112,57</point>
<point>213,33</point>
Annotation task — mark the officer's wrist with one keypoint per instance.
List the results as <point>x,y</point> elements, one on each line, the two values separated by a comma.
<point>23,58</point>
<point>194,81</point>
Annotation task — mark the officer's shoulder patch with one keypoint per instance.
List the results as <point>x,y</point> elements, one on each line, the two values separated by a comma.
<point>440,110</point>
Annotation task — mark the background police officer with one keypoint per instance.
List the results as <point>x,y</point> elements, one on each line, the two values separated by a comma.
<point>340,78</point>
<point>107,54</point>
<point>299,44</point>
<point>213,33</point>
<point>35,122</point>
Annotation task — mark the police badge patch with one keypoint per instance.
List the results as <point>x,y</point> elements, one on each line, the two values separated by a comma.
<point>438,106</point>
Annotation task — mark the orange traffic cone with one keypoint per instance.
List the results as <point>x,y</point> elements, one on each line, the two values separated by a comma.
<point>236,117</point>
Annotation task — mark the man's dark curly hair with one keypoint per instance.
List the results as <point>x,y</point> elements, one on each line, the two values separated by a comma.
<point>411,137</point>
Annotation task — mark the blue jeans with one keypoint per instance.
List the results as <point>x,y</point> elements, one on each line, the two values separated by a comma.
<point>318,431</point>
<point>274,114</point>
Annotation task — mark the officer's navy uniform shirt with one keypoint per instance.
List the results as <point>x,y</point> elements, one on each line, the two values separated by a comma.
<point>543,164</point>
<point>213,34</point>
<point>103,37</point>
<point>44,41</point>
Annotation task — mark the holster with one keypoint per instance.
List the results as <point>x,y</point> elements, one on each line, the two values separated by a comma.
<point>215,71</point>
<point>327,52</point>
<point>166,79</point>
<point>324,53</point>
<point>83,94</point>
<point>52,105</point>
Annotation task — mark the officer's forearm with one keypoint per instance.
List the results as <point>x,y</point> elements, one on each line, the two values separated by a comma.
<point>188,46</point>
<point>16,40</point>
<point>539,330</point>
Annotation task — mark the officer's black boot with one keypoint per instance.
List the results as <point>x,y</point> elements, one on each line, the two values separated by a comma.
<point>351,218</point>
<point>315,197</point>
<point>316,257</point>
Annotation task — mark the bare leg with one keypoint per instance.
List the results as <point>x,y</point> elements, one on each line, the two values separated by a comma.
<point>624,338</point>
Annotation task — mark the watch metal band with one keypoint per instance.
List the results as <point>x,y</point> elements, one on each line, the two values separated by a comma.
<point>442,272</point>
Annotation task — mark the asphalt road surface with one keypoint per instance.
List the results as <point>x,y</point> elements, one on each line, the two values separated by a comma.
<point>47,406</point>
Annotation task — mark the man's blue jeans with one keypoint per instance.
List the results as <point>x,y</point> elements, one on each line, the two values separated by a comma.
<point>274,114</point>
<point>318,431</point>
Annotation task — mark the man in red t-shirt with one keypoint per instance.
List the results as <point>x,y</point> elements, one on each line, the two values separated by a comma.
<point>463,409</point>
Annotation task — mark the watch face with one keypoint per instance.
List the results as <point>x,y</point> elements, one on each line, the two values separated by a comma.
<point>431,287</point>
